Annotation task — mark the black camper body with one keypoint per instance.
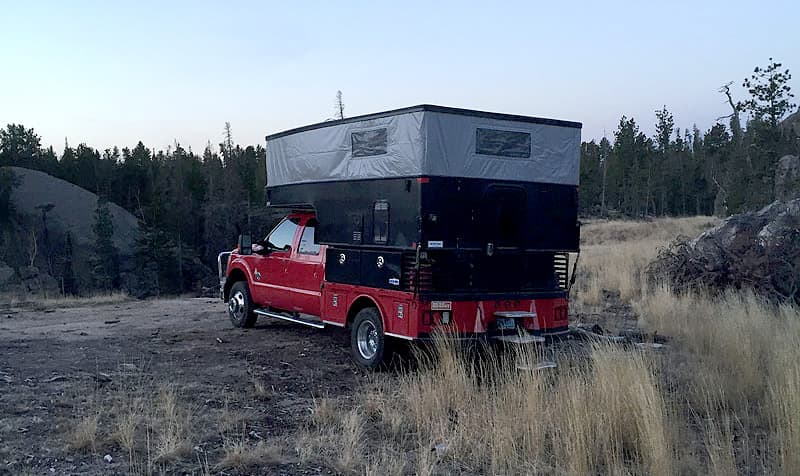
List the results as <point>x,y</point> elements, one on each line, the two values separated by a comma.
<point>451,202</point>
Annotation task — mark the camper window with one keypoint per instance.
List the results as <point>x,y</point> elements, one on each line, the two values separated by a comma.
<point>369,143</point>
<point>380,222</point>
<point>512,144</point>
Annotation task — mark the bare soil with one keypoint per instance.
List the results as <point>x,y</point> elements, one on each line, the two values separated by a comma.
<point>58,365</point>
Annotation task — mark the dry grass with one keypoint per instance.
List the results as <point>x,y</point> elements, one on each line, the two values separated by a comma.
<point>150,422</point>
<point>722,398</point>
<point>42,303</point>
<point>614,254</point>
<point>173,423</point>
<point>456,416</point>
<point>83,436</point>
<point>242,454</point>
<point>737,338</point>
<point>229,419</point>
<point>599,232</point>
<point>783,394</point>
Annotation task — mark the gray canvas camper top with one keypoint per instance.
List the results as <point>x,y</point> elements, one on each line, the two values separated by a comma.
<point>427,141</point>
<point>478,192</point>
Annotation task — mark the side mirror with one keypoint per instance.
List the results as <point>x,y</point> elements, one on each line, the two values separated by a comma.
<point>245,245</point>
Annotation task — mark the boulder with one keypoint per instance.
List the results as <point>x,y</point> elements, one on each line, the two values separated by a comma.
<point>41,284</point>
<point>791,125</point>
<point>787,178</point>
<point>756,250</point>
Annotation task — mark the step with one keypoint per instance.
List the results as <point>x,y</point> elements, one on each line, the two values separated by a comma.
<point>520,339</point>
<point>304,319</point>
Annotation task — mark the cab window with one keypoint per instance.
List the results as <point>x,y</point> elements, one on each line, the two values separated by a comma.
<point>308,246</point>
<point>283,234</point>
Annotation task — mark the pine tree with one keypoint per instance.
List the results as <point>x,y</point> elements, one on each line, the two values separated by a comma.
<point>68,281</point>
<point>339,111</point>
<point>7,184</point>
<point>105,262</point>
<point>770,93</point>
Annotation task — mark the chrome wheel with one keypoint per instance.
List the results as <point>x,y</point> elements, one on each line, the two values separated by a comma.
<point>368,340</point>
<point>237,306</point>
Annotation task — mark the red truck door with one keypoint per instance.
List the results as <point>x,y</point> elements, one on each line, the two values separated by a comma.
<point>306,271</point>
<point>270,271</point>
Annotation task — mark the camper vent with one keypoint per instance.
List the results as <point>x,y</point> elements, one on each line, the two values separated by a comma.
<point>561,267</point>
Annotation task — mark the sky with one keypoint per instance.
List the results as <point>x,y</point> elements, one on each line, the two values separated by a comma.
<point>111,73</point>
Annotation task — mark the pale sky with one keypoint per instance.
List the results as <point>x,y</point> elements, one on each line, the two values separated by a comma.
<point>113,73</point>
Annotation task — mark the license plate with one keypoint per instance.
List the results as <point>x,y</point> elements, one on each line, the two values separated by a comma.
<point>506,323</point>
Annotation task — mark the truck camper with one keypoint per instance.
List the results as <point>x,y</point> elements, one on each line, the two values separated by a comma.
<point>406,222</point>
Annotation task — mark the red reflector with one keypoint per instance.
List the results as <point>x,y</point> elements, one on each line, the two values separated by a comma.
<point>423,180</point>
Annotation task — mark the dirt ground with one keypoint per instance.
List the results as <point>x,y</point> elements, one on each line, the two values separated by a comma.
<point>59,365</point>
<point>56,365</point>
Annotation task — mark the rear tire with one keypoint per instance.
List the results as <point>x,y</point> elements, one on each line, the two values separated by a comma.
<point>367,342</point>
<point>240,305</point>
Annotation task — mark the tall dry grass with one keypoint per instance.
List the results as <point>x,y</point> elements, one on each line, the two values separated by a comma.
<point>745,368</point>
<point>722,398</point>
<point>614,254</point>
<point>151,423</point>
<point>458,415</point>
<point>599,232</point>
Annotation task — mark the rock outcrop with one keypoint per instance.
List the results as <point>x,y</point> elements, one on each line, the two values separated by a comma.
<point>787,178</point>
<point>756,250</point>
<point>50,209</point>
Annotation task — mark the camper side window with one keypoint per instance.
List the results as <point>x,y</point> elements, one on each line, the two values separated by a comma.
<point>369,143</point>
<point>512,144</point>
<point>380,222</point>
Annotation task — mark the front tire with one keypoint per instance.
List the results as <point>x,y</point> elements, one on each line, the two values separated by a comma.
<point>240,305</point>
<point>367,341</point>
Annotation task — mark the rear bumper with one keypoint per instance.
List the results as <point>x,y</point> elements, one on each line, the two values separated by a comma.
<point>508,337</point>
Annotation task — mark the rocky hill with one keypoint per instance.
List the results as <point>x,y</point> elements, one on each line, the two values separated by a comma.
<point>49,209</point>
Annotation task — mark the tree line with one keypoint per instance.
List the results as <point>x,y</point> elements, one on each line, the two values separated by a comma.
<point>191,206</point>
<point>726,169</point>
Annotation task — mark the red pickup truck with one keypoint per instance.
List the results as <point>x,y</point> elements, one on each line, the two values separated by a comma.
<point>407,223</point>
<point>285,279</point>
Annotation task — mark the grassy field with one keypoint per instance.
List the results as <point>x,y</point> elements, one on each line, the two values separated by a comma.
<point>38,302</point>
<point>723,396</point>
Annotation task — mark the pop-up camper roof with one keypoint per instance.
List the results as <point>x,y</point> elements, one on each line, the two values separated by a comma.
<point>427,141</point>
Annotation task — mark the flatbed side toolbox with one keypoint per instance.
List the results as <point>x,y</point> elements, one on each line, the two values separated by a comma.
<point>372,268</point>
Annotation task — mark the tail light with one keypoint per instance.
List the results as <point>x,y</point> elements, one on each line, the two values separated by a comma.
<point>432,318</point>
<point>560,313</point>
